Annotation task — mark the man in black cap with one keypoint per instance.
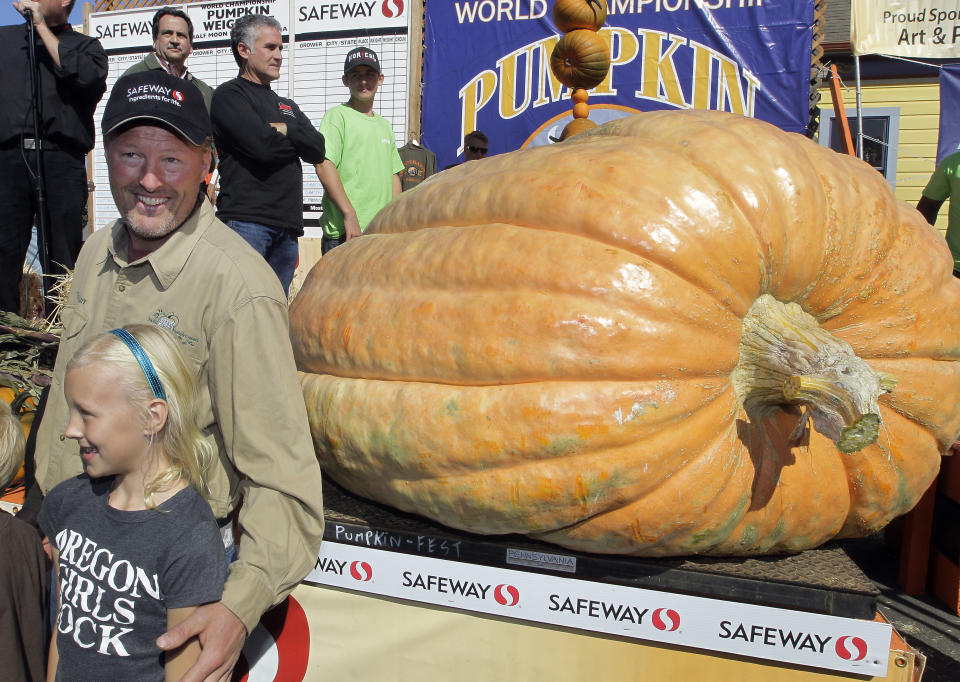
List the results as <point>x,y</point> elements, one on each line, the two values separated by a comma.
<point>169,261</point>
<point>360,174</point>
<point>72,79</point>
<point>261,138</point>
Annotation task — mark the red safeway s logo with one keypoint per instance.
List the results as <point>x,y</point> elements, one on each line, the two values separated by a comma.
<point>666,619</point>
<point>392,8</point>
<point>361,570</point>
<point>506,595</point>
<point>177,95</point>
<point>856,650</point>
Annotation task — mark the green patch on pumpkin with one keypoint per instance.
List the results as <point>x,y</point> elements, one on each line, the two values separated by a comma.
<point>722,531</point>
<point>562,446</point>
<point>451,408</point>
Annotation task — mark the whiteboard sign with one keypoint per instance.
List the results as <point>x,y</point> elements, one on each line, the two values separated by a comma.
<point>319,34</point>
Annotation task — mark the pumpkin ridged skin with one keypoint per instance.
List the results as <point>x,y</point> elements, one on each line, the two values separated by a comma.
<point>503,361</point>
<point>580,59</point>
<point>573,14</point>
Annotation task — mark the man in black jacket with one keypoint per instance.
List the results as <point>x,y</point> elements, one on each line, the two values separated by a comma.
<point>73,78</point>
<point>261,139</point>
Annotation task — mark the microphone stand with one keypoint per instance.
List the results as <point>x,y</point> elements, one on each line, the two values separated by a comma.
<point>40,185</point>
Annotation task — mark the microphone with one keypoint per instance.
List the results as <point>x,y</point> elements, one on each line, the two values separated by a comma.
<point>28,14</point>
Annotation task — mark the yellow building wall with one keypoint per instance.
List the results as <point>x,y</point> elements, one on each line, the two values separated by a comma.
<point>919,104</point>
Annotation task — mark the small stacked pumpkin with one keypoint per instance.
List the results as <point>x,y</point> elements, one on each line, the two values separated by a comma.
<point>23,406</point>
<point>581,59</point>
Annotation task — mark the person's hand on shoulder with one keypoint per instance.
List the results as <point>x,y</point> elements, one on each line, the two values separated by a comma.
<point>221,635</point>
<point>280,127</point>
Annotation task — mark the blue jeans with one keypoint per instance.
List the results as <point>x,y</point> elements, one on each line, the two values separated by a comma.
<point>328,243</point>
<point>278,247</point>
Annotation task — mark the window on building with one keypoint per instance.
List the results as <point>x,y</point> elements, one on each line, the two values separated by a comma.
<point>881,134</point>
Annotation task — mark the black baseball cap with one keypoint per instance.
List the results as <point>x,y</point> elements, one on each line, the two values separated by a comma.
<point>155,95</point>
<point>361,56</point>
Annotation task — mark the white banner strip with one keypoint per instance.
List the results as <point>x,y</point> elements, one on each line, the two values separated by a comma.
<point>820,641</point>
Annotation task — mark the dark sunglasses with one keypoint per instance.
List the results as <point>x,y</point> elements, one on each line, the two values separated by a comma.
<point>477,150</point>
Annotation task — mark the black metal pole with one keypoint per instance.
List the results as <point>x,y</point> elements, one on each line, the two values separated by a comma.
<point>40,184</point>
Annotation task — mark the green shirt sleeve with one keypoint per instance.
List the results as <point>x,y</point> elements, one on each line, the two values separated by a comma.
<point>397,161</point>
<point>938,188</point>
<point>331,127</point>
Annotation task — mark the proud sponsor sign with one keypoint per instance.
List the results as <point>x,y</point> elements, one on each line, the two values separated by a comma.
<point>907,28</point>
<point>821,641</point>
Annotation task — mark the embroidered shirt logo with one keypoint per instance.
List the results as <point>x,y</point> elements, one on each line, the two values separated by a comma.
<point>170,321</point>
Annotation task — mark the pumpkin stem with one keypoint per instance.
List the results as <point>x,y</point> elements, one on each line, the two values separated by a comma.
<point>786,358</point>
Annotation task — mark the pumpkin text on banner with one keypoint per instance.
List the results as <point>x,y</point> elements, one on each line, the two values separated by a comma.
<point>487,66</point>
<point>908,28</point>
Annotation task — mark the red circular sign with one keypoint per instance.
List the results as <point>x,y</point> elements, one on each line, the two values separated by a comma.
<point>390,12</point>
<point>506,595</point>
<point>666,619</point>
<point>361,570</point>
<point>858,651</point>
<point>286,625</point>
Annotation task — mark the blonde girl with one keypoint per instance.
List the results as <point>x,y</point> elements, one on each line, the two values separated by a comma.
<point>136,547</point>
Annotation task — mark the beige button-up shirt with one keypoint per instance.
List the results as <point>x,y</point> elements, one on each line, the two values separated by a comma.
<point>225,305</point>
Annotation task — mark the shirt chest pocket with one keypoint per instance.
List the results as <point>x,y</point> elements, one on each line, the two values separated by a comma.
<point>74,323</point>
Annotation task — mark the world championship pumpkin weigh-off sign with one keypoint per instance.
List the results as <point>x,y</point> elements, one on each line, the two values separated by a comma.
<point>487,66</point>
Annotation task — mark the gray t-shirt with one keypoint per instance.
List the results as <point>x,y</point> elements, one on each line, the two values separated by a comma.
<point>119,573</point>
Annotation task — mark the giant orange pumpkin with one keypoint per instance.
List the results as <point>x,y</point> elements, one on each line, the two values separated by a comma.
<point>679,332</point>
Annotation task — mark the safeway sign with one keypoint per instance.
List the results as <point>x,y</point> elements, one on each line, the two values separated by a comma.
<point>809,639</point>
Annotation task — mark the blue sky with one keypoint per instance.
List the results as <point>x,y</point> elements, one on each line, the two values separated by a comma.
<point>8,15</point>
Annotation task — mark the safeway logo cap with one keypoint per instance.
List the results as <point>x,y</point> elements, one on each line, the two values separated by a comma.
<point>154,97</point>
<point>851,648</point>
<point>506,595</point>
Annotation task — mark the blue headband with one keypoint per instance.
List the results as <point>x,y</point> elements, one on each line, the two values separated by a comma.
<point>144,361</point>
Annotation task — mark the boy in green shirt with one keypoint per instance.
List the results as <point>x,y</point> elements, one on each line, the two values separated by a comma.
<point>360,171</point>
